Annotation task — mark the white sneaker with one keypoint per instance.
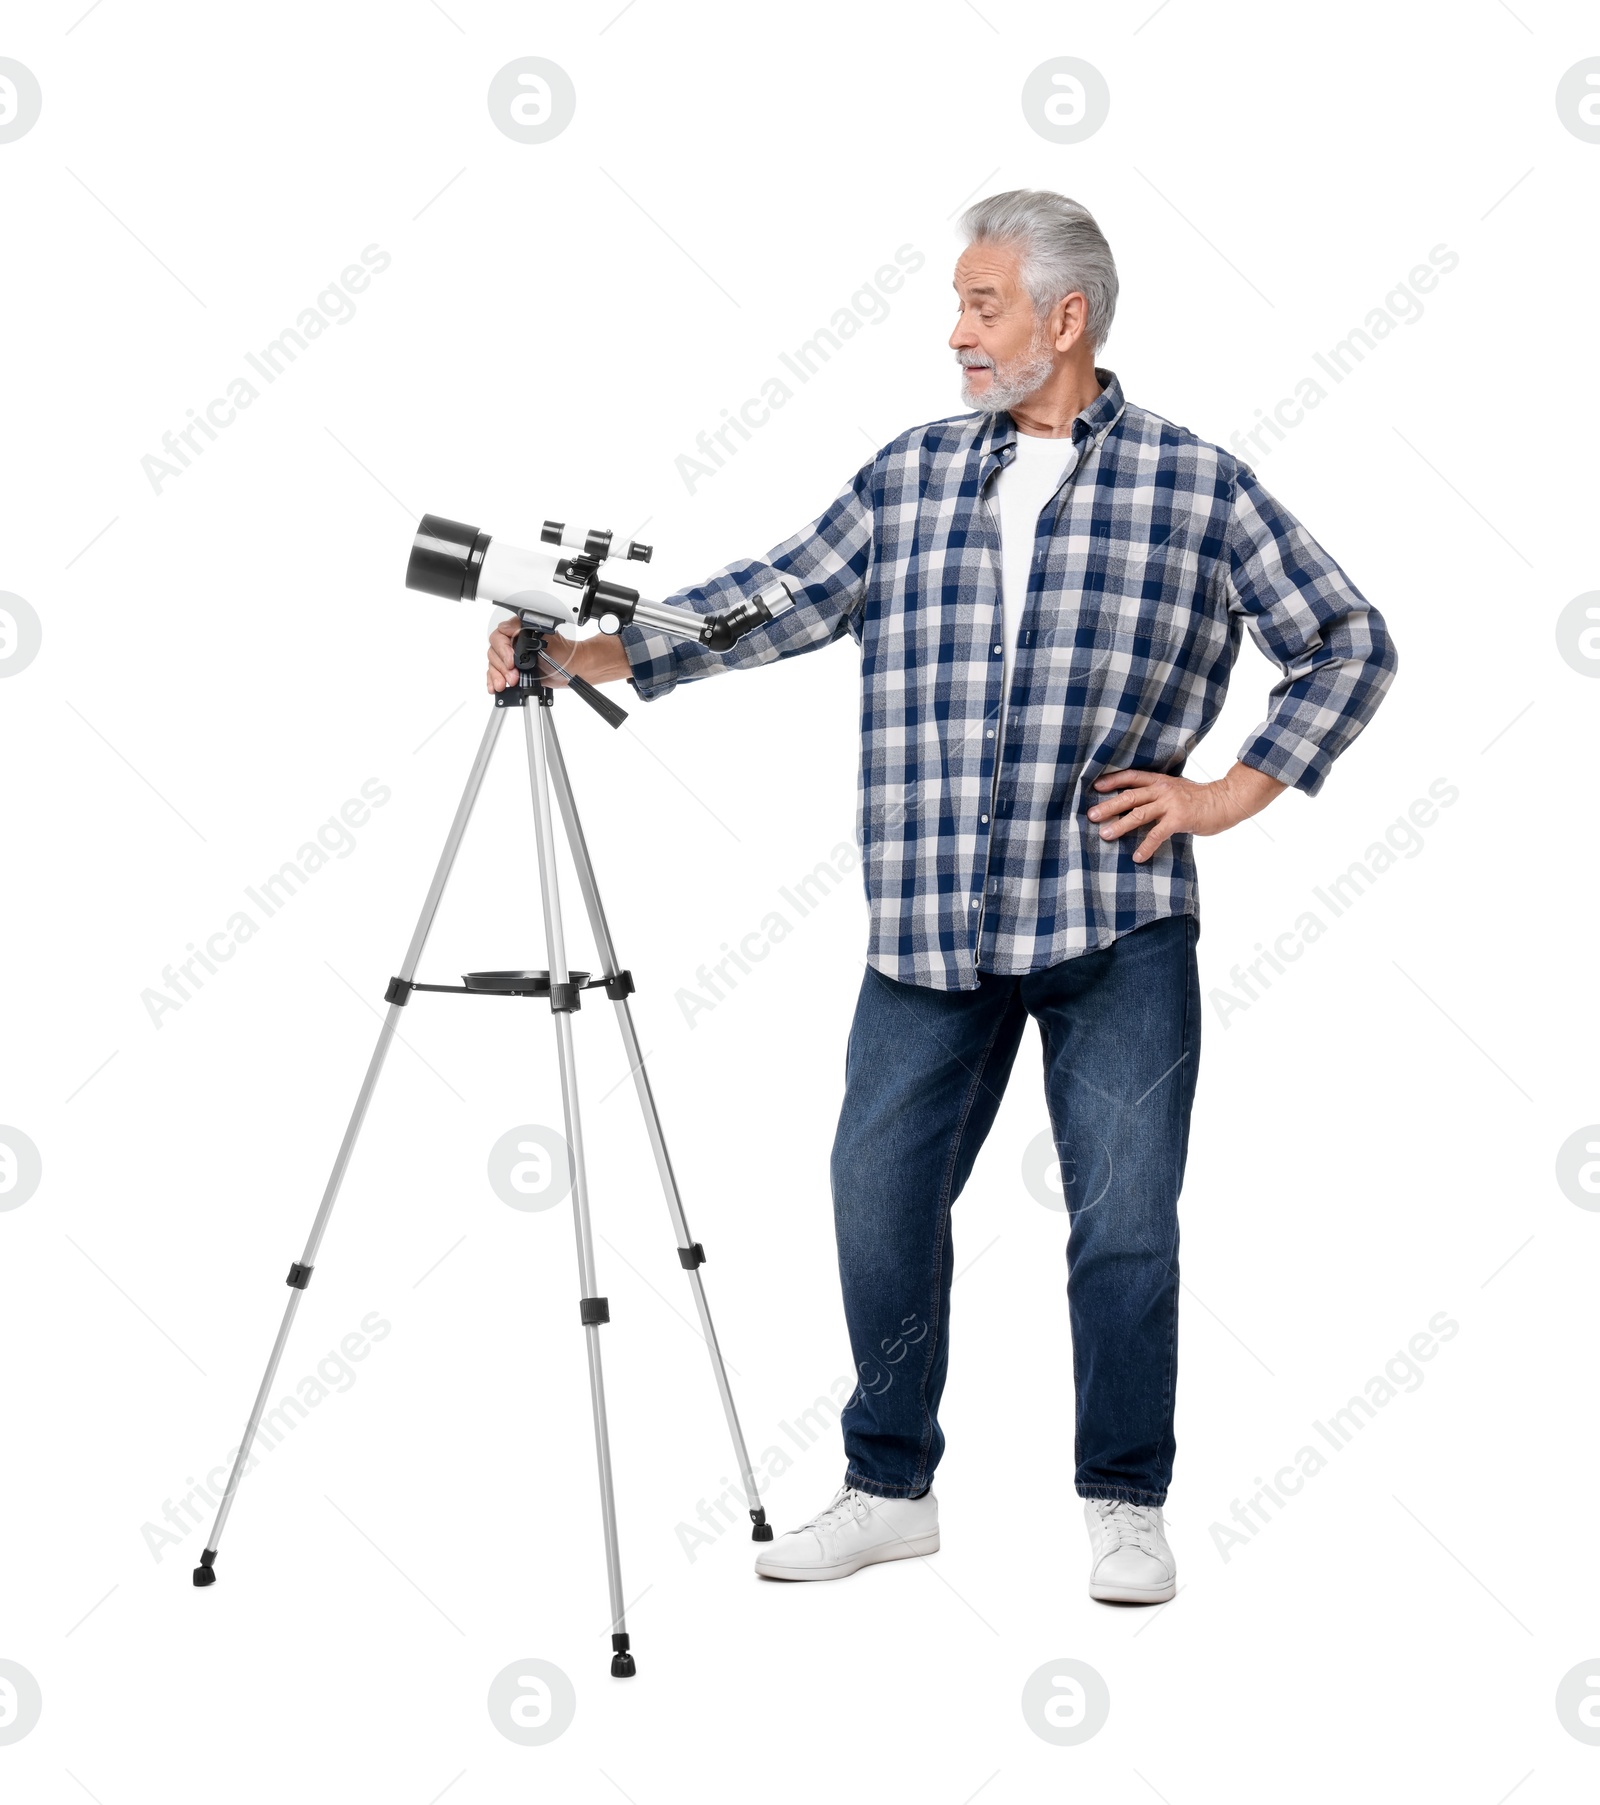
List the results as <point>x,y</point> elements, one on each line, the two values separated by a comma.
<point>855,1530</point>
<point>1130,1561</point>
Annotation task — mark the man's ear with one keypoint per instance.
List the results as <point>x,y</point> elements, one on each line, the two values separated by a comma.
<point>1070,316</point>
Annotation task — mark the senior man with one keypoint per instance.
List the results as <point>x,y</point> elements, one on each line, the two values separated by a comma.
<point>1048,593</point>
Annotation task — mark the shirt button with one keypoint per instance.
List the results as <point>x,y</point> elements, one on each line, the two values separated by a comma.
<point>983,817</point>
<point>974,902</point>
<point>990,734</point>
<point>997,648</point>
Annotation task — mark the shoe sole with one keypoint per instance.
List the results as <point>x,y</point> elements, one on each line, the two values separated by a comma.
<point>1134,1594</point>
<point>896,1551</point>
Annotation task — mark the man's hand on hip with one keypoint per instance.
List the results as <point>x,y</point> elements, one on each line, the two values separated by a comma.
<point>602,658</point>
<point>1174,805</point>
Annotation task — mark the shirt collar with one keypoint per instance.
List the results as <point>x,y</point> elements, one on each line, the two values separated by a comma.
<point>996,442</point>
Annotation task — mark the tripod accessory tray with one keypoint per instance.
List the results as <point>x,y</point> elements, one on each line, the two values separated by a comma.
<point>519,984</point>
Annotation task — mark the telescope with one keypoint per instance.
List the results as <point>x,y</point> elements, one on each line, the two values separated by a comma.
<point>460,563</point>
<point>559,585</point>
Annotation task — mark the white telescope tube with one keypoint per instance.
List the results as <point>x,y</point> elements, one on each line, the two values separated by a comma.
<point>517,577</point>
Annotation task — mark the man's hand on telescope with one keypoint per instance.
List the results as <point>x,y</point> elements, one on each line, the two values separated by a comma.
<point>598,659</point>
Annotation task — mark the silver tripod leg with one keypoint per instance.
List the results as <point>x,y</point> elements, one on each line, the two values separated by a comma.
<point>300,1273</point>
<point>689,1251</point>
<point>592,1307</point>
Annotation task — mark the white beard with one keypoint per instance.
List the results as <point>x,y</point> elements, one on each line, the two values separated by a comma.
<point>1012,382</point>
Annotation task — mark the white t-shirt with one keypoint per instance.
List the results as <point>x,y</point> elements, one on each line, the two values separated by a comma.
<point>1024,486</point>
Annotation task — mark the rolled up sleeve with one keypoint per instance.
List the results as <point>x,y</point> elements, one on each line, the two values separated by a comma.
<point>1332,646</point>
<point>826,567</point>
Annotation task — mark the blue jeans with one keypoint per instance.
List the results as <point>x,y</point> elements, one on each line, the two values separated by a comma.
<point>925,1072</point>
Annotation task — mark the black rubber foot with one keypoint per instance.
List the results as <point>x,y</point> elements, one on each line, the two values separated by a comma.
<point>761,1533</point>
<point>622,1667</point>
<point>205,1576</point>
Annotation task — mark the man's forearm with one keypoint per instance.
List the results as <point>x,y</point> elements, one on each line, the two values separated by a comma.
<point>1250,790</point>
<point>602,658</point>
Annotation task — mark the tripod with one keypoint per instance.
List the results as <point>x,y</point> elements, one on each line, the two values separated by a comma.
<point>563,988</point>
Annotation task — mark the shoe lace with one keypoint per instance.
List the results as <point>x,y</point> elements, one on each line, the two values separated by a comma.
<point>847,1502</point>
<point>1124,1525</point>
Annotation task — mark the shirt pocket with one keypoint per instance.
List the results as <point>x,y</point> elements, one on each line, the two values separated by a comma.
<point>1150,604</point>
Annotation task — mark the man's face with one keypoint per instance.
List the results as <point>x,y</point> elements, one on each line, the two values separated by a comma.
<point>1005,350</point>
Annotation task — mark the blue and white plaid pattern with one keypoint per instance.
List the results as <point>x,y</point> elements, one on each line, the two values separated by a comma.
<point>1155,552</point>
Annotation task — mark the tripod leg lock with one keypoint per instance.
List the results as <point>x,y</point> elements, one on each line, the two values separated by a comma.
<point>564,998</point>
<point>594,1310</point>
<point>399,991</point>
<point>299,1276</point>
<point>619,985</point>
<point>690,1257</point>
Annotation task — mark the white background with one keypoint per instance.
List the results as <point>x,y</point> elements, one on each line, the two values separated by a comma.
<point>230,659</point>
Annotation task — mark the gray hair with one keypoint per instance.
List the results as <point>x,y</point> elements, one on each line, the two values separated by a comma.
<point>1062,250</point>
